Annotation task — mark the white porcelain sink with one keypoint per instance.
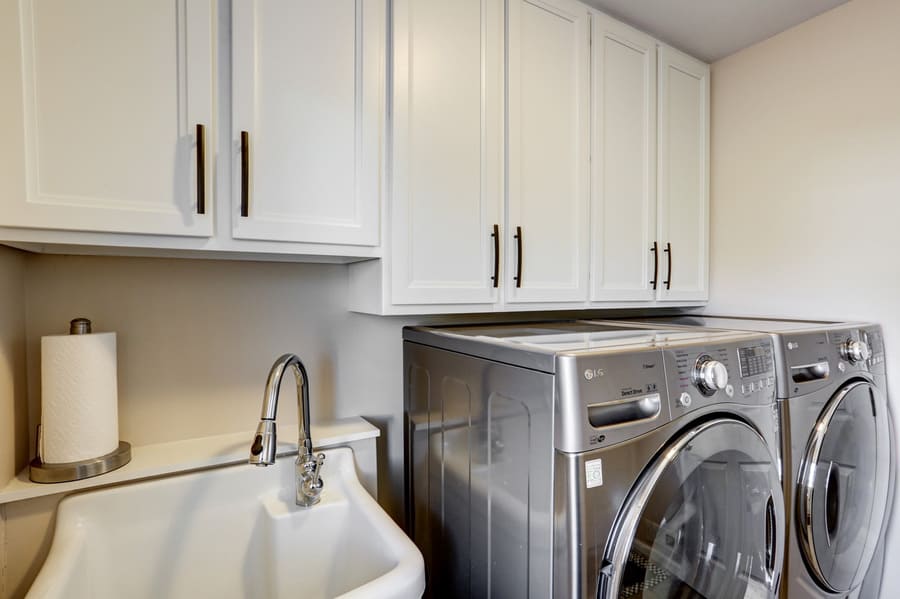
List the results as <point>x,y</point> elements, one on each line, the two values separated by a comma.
<point>230,532</point>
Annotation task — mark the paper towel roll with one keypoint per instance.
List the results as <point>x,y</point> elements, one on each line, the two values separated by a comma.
<point>79,397</point>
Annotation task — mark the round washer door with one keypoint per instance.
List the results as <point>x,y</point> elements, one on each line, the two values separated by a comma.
<point>706,519</point>
<point>842,490</point>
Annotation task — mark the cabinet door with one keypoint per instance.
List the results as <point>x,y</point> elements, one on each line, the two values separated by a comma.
<point>307,88</point>
<point>623,163</point>
<point>548,194</point>
<point>447,150</point>
<point>683,182</point>
<point>112,95</point>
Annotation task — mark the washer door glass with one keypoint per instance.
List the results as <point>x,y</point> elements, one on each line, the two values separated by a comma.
<point>842,491</point>
<point>706,519</point>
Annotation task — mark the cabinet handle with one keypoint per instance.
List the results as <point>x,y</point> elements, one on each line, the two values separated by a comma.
<point>518,238</point>
<point>496,236</point>
<point>245,173</point>
<point>655,250</point>
<point>668,281</point>
<point>201,169</point>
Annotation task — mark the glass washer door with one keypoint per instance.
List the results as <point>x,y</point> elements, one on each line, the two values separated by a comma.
<point>706,520</point>
<point>842,490</point>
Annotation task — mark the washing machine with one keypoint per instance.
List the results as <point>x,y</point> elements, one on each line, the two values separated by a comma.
<point>838,449</point>
<point>581,460</point>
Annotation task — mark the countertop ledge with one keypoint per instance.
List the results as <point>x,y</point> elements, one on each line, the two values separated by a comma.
<point>158,459</point>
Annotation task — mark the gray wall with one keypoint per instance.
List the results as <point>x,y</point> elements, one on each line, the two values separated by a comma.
<point>806,180</point>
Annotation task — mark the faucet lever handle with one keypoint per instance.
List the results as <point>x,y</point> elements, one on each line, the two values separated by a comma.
<point>320,460</point>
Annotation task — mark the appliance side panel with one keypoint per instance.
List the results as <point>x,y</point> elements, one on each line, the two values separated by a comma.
<point>479,473</point>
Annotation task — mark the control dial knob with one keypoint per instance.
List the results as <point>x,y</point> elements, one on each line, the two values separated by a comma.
<point>709,375</point>
<point>855,351</point>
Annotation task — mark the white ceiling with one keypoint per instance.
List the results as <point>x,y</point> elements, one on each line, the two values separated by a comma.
<point>713,29</point>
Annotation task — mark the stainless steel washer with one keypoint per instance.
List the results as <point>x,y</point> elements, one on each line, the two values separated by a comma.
<point>572,459</point>
<point>838,447</point>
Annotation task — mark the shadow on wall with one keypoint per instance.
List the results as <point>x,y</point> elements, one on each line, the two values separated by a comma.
<point>14,448</point>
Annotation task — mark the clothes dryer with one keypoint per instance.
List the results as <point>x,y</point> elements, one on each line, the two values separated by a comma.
<point>838,449</point>
<point>577,460</point>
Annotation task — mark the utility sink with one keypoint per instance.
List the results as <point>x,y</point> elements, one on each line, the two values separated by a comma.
<point>233,531</point>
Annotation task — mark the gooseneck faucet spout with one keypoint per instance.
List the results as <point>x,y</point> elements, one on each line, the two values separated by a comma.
<point>262,452</point>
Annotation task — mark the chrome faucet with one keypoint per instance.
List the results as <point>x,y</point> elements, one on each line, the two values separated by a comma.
<point>262,452</point>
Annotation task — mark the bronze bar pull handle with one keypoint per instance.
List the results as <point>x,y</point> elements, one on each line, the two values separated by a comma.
<point>518,238</point>
<point>655,250</point>
<point>668,281</point>
<point>201,169</point>
<point>245,174</point>
<point>496,236</point>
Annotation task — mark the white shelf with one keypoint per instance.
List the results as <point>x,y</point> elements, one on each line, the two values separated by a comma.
<point>193,454</point>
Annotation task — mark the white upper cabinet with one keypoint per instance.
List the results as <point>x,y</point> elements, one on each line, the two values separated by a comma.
<point>548,151</point>
<point>499,155</point>
<point>683,181</point>
<point>624,265</point>
<point>113,93</point>
<point>447,151</point>
<point>307,88</point>
<point>587,154</point>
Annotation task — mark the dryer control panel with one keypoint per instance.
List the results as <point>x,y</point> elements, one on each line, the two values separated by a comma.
<point>874,339</point>
<point>813,360</point>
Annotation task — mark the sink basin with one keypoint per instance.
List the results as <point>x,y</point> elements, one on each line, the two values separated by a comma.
<point>230,532</point>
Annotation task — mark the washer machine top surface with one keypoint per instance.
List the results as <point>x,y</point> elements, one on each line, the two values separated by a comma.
<point>535,345</point>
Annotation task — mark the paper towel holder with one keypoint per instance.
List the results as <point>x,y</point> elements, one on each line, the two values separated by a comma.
<point>41,472</point>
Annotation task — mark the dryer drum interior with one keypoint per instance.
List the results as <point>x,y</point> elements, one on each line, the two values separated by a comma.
<point>842,491</point>
<point>706,519</point>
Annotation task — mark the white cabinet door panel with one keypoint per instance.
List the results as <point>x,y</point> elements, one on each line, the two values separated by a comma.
<point>307,89</point>
<point>447,150</point>
<point>112,94</point>
<point>623,162</point>
<point>683,192</point>
<point>548,151</point>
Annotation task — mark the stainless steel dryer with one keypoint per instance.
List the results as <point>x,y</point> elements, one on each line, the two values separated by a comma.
<point>577,460</point>
<point>838,447</point>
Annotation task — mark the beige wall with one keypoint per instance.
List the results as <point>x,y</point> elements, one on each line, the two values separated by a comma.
<point>13,401</point>
<point>195,338</point>
<point>806,178</point>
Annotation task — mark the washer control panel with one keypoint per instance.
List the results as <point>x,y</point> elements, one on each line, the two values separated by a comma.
<point>754,360</point>
<point>709,375</point>
<point>736,372</point>
<point>603,398</point>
